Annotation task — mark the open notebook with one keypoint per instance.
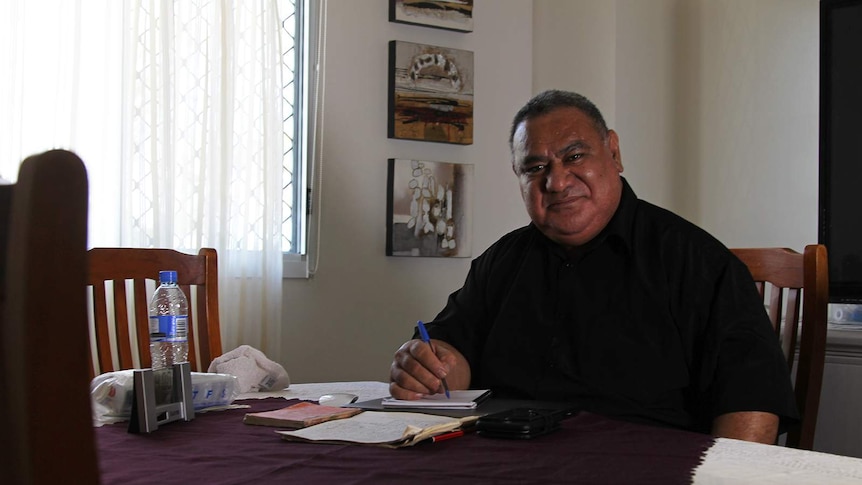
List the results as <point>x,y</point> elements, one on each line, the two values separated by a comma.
<point>468,399</point>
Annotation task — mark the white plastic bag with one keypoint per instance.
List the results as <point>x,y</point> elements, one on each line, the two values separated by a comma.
<point>112,393</point>
<point>255,371</point>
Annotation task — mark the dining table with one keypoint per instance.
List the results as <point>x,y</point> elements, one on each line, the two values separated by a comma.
<point>216,447</point>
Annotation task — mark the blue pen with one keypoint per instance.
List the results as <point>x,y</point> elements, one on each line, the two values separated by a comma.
<point>425,338</point>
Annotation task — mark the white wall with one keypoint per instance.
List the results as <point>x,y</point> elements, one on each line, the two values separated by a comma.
<point>574,48</point>
<point>347,321</point>
<point>756,140</point>
<point>715,102</point>
<point>648,95</point>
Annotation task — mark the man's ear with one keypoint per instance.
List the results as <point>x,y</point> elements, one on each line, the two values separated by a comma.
<point>614,146</point>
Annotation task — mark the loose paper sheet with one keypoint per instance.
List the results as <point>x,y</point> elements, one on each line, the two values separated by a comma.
<point>377,428</point>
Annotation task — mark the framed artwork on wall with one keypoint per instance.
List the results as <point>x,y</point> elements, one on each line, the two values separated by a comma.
<point>430,93</point>
<point>451,15</point>
<point>428,209</point>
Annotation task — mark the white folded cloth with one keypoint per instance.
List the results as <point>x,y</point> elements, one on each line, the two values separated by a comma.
<point>252,368</point>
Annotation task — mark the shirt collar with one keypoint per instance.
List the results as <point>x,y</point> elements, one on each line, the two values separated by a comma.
<point>619,227</point>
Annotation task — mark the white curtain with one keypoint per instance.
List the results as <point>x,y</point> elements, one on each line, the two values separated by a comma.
<point>175,107</point>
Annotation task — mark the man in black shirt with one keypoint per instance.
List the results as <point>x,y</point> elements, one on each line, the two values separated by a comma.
<point>604,300</point>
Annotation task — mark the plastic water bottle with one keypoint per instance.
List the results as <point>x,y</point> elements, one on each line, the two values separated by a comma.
<point>169,317</point>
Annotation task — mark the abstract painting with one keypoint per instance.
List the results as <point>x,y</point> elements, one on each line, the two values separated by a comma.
<point>451,15</point>
<point>430,93</point>
<point>428,209</point>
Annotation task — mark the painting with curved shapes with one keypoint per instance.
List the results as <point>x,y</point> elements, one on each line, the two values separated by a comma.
<point>430,93</point>
<point>444,14</point>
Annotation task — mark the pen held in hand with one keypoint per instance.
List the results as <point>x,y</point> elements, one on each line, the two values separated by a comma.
<point>425,338</point>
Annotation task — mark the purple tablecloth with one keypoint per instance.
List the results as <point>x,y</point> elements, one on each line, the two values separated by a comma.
<point>217,448</point>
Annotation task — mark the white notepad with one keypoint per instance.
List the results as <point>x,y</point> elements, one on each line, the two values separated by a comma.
<point>457,400</point>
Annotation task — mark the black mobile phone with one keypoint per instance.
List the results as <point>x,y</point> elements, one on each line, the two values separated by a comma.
<point>520,423</point>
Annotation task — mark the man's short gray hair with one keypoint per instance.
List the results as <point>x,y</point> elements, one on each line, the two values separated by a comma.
<point>552,99</point>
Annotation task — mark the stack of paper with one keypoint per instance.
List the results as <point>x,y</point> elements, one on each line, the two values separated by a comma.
<point>379,428</point>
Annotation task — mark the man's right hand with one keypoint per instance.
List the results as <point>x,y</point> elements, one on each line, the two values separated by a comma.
<point>417,372</point>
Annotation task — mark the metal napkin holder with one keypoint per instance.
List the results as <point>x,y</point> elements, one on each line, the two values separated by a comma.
<point>147,416</point>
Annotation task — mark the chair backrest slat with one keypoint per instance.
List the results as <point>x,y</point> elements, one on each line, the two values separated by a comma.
<point>187,290</point>
<point>204,345</point>
<point>792,315</point>
<point>121,324</point>
<point>100,314</point>
<point>141,313</point>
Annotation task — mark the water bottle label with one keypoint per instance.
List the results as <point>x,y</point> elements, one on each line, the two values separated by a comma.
<point>169,328</point>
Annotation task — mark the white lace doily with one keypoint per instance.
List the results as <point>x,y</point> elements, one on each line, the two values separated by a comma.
<point>735,461</point>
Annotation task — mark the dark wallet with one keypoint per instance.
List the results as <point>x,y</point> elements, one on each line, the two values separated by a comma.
<point>520,423</point>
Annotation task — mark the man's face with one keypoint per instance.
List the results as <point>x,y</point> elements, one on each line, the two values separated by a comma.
<point>569,175</point>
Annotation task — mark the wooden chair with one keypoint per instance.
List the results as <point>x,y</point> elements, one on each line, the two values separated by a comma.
<point>44,387</point>
<point>113,271</point>
<point>794,278</point>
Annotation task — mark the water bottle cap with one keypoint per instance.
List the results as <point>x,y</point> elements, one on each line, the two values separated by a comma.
<point>167,276</point>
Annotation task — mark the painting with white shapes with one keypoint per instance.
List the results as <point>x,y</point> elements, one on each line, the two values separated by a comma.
<point>429,207</point>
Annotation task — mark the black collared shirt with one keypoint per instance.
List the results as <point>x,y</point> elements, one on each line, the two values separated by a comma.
<point>654,320</point>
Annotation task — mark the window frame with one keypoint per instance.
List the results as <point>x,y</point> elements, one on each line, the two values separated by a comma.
<point>306,85</point>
